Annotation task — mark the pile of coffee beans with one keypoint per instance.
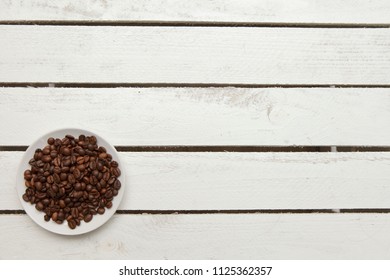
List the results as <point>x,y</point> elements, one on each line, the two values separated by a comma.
<point>71,180</point>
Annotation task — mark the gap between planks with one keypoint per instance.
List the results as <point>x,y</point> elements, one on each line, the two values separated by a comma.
<point>238,149</point>
<point>241,211</point>
<point>181,85</point>
<point>191,23</point>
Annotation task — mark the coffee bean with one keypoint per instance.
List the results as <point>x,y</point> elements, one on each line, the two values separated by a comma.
<point>66,162</point>
<point>103,155</point>
<point>54,216</point>
<point>53,154</point>
<point>88,218</point>
<point>25,198</point>
<point>92,164</point>
<point>74,212</point>
<point>117,185</point>
<point>50,141</point>
<point>27,175</point>
<point>63,176</point>
<point>72,223</point>
<point>101,210</point>
<point>116,171</point>
<point>111,180</point>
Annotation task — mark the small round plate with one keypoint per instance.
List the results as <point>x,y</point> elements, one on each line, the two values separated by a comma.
<point>37,216</point>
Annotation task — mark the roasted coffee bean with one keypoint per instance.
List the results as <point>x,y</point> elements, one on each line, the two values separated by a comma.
<point>54,216</point>
<point>88,218</point>
<point>76,173</point>
<point>92,164</point>
<point>27,175</point>
<point>111,180</point>
<point>57,169</point>
<point>53,154</point>
<point>72,223</point>
<point>57,161</point>
<point>116,171</point>
<point>65,169</point>
<point>117,185</point>
<point>74,212</point>
<point>66,162</point>
<point>63,176</point>
<point>25,198</point>
<point>71,179</point>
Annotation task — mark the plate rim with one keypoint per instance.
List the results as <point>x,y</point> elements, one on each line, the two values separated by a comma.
<point>37,216</point>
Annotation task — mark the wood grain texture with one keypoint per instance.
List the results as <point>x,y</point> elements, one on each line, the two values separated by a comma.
<point>107,54</point>
<point>196,116</point>
<point>231,181</point>
<point>326,236</point>
<point>250,11</point>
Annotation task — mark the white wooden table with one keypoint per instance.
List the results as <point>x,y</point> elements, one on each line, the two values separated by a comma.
<point>206,100</point>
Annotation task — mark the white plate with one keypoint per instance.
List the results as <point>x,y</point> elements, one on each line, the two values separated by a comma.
<point>37,216</point>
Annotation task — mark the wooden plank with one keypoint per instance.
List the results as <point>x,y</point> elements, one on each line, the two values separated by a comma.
<point>112,54</point>
<point>253,236</point>
<point>199,116</point>
<point>231,181</point>
<point>251,11</point>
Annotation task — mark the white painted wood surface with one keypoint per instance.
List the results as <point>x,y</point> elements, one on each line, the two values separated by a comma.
<point>231,181</point>
<point>251,11</point>
<point>120,54</point>
<point>221,236</point>
<point>208,116</point>
<point>196,116</point>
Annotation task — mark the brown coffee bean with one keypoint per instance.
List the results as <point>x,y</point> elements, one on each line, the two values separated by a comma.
<point>25,198</point>
<point>53,154</point>
<point>54,216</point>
<point>77,187</point>
<point>99,166</point>
<point>71,179</point>
<point>72,223</point>
<point>66,162</point>
<point>65,169</point>
<point>61,203</point>
<point>76,173</point>
<point>109,204</point>
<point>92,164</point>
<point>50,141</point>
<point>63,176</point>
<point>111,181</point>
<point>116,171</point>
<point>81,167</point>
<point>101,210</point>
<point>61,216</point>
<point>74,212</point>
<point>103,155</point>
<point>39,206</point>
<point>93,180</point>
<point>117,185</point>
<point>27,175</point>
<point>88,218</point>
<point>46,158</point>
<point>106,176</point>
<point>57,170</point>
